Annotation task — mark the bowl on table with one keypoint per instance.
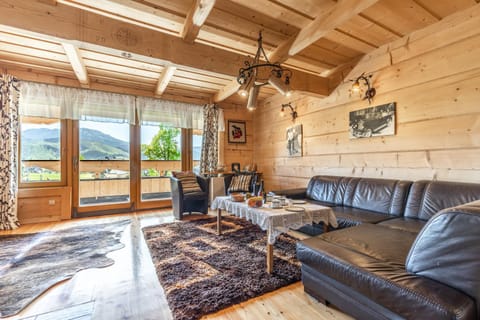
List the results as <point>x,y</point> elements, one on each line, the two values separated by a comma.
<point>255,202</point>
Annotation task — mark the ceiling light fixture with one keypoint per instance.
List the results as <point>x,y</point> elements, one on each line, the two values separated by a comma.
<point>356,87</point>
<point>293,111</point>
<point>260,72</point>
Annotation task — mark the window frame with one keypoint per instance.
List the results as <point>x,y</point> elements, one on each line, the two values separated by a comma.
<point>63,159</point>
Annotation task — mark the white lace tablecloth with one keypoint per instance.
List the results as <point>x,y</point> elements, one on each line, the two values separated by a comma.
<point>277,221</point>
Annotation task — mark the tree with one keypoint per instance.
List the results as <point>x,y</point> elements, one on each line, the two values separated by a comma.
<point>164,145</point>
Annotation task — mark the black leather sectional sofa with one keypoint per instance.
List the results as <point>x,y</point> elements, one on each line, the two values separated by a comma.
<point>404,250</point>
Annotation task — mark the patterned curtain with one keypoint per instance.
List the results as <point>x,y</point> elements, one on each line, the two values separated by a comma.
<point>9,93</point>
<point>209,156</point>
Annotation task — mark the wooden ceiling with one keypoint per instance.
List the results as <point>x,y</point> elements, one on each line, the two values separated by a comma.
<point>191,50</point>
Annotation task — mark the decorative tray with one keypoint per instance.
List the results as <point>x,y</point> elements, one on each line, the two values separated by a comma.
<point>295,209</point>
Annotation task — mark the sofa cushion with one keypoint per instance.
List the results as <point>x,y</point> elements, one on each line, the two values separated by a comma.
<point>240,183</point>
<point>370,260</point>
<point>349,217</point>
<point>378,242</point>
<point>327,189</point>
<point>404,223</point>
<point>447,249</point>
<point>380,195</point>
<point>426,198</point>
<point>188,181</point>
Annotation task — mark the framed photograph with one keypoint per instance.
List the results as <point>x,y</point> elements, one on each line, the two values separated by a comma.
<point>372,122</point>
<point>294,141</point>
<point>236,167</point>
<point>237,132</point>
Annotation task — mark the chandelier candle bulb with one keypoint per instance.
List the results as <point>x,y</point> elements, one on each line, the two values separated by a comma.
<point>252,98</point>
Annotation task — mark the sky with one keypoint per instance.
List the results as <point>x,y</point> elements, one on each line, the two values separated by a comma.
<point>117,130</point>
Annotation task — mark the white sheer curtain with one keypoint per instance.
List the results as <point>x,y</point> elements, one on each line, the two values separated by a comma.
<point>50,101</point>
<point>176,114</point>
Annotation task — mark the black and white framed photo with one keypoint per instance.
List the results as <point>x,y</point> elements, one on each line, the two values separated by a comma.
<point>373,121</point>
<point>235,167</point>
<point>294,141</point>
<point>237,132</point>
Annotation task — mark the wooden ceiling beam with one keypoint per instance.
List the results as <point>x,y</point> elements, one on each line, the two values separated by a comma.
<point>132,12</point>
<point>164,80</point>
<point>92,31</point>
<point>89,30</point>
<point>227,91</point>
<point>196,18</point>
<point>77,63</point>
<point>340,13</point>
<point>325,22</point>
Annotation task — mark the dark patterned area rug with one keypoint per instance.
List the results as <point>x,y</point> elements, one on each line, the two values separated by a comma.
<point>32,263</point>
<point>202,273</point>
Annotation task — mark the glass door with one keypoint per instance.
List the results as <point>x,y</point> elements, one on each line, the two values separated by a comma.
<point>103,165</point>
<point>160,154</point>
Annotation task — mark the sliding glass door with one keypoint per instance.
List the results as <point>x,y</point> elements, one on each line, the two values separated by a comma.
<point>160,154</point>
<point>103,163</point>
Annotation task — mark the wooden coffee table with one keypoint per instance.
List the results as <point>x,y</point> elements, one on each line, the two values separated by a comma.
<point>274,221</point>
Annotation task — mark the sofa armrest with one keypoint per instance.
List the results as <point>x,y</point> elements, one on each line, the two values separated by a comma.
<point>446,249</point>
<point>298,193</point>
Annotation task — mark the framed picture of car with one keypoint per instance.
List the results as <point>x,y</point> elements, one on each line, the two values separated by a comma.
<point>236,132</point>
<point>373,121</point>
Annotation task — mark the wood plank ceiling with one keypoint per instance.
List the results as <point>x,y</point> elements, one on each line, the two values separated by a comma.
<point>191,50</point>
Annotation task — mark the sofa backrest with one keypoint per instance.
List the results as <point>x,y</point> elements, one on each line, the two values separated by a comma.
<point>329,189</point>
<point>446,249</point>
<point>426,197</point>
<point>379,195</point>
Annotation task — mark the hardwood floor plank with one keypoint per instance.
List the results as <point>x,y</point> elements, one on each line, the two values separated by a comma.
<point>129,289</point>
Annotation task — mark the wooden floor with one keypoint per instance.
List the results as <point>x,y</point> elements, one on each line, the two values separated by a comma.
<point>129,289</point>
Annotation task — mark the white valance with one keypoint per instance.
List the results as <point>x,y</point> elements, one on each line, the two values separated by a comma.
<point>50,101</point>
<point>176,114</point>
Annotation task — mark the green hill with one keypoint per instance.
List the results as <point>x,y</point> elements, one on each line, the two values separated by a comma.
<point>43,144</point>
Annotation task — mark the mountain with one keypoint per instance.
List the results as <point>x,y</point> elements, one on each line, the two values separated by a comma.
<point>95,145</point>
<point>43,144</point>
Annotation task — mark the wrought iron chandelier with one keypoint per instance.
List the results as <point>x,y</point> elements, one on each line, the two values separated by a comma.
<point>260,72</point>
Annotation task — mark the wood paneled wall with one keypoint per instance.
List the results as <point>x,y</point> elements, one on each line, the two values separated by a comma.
<point>44,204</point>
<point>434,77</point>
<point>237,152</point>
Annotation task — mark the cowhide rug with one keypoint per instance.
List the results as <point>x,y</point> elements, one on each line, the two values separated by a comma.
<point>32,263</point>
<point>203,273</point>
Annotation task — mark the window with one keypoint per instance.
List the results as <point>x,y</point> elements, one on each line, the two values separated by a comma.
<point>160,155</point>
<point>197,138</point>
<point>40,150</point>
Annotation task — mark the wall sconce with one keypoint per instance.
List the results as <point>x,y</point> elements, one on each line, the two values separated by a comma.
<point>356,87</point>
<point>293,111</point>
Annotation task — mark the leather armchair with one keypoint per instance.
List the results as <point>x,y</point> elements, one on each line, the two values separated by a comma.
<point>189,202</point>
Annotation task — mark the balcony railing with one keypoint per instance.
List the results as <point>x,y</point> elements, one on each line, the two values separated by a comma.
<point>108,180</point>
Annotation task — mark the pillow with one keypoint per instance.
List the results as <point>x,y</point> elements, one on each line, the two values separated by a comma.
<point>188,180</point>
<point>240,183</point>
